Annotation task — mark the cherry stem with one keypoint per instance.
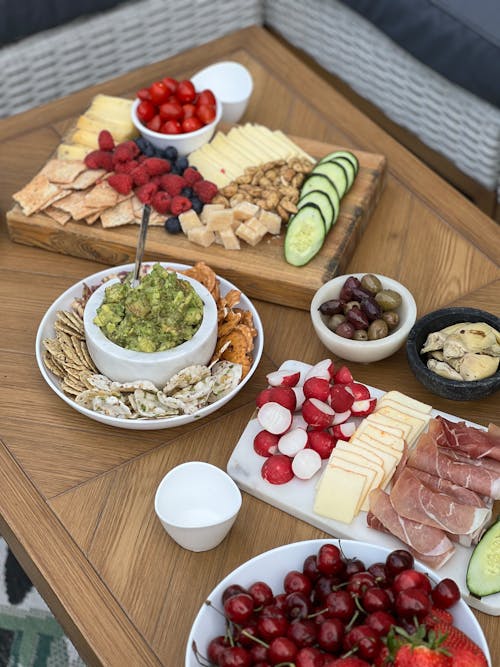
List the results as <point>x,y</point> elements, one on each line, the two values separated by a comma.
<point>200,659</point>
<point>255,639</point>
<point>352,621</point>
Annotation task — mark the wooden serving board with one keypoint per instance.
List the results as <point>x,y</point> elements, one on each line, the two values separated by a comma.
<point>260,271</point>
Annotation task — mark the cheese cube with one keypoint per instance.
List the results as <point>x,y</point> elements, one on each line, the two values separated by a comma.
<point>217,220</point>
<point>201,236</point>
<point>207,209</point>
<point>338,494</point>
<point>229,239</point>
<point>271,221</point>
<point>189,220</point>
<point>249,234</point>
<point>245,210</point>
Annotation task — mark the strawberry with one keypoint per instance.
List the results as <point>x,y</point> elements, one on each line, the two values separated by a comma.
<point>349,661</point>
<point>99,160</point>
<point>205,191</point>
<point>455,640</point>
<point>146,192</point>
<point>438,616</point>
<point>421,656</point>
<point>122,183</point>
<point>463,657</point>
<point>192,175</point>
<point>105,140</point>
<point>179,205</point>
<point>155,166</point>
<point>161,202</point>
<point>173,184</point>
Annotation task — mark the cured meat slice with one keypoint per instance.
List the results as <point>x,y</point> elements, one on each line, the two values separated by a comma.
<point>430,545</point>
<point>486,462</point>
<point>412,499</point>
<point>468,440</point>
<point>479,478</point>
<point>463,495</point>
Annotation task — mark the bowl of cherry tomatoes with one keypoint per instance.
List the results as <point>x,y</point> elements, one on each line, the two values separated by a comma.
<point>174,113</point>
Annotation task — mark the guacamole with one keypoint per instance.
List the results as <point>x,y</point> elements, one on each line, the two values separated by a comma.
<point>162,312</point>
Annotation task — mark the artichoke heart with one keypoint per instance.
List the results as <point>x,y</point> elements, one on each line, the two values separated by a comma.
<point>434,341</point>
<point>478,366</point>
<point>443,369</point>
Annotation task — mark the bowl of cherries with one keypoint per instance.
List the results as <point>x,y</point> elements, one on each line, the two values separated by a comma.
<point>313,603</point>
<point>174,113</point>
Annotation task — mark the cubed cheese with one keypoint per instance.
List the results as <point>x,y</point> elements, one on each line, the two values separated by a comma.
<point>189,220</point>
<point>229,239</point>
<point>271,221</point>
<point>201,236</point>
<point>248,234</point>
<point>245,210</point>
<point>207,209</point>
<point>218,220</point>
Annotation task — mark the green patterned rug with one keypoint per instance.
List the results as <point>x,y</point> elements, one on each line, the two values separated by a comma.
<point>29,634</point>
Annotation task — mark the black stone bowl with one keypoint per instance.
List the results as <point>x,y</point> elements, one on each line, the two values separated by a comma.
<point>455,390</point>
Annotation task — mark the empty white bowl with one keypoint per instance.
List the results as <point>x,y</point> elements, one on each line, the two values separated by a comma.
<point>363,351</point>
<point>232,85</point>
<point>197,503</point>
<point>124,365</point>
<point>186,142</point>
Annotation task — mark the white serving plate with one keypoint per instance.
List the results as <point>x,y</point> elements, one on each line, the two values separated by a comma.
<point>46,330</point>
<point>297,498</point>
<point>271,567</point>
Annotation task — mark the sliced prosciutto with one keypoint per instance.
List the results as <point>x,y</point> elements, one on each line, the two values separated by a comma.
<point>412,499</point>
<point>461,494</point>
<point>430,545</point>
<point>468,440</point>
<point>426,456</point>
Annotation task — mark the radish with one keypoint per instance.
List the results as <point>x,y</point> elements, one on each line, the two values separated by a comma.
<point>322,442</point>
<point>344,431</point>
<point>263,396</point>
<point>340,399</point>
<point>283,378</point>
<point>343,376</point>
<point>363,407</point>
<point>298,421</point>
<point>323,369</point>
<point>341,417</point>
<point>274,417</point>
<point>316,387</point>
<point>292,441</point>
<point>299,397</point>
<point>277,469</point>
<point>283,395</point>
<point>358,390</point>
<point>265,443</point>
<point>306,463</point>
<point>317,414</point>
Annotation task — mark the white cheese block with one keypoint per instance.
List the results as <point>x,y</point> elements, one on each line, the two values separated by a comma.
<point>338,494</point>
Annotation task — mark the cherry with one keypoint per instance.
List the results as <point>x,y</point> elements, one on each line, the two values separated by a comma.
<point>235,656</point>
<point>340,604</point>
<point>411,579</point>
<point>323,586</point>
<point>309,657</point>
<point>258,652</point>
<point>303,632</point>
<point>215,648</point>
<point>413,602</point>
<point>281,649</point>
<point>330,560</point>
<point>375,599</point>
<point>261,593</point>
<point>231,590</point>
<point>310,568</point>
<point>297,582</point>
<point>297,605</point>
<point>397,561</point>
<point>241,635</point>
<point>271,623</point>
<point>331,634</point>
<point>381,622</point>
<point>379,571</point>
<point>353,566</point>
<point>359,582</point>
<point>445,594</point>
<point>239,608</point>
<point>280,601</point>
<point>365,639</point>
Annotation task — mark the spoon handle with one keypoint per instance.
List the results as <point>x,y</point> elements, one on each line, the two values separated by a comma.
<point>141,243</point>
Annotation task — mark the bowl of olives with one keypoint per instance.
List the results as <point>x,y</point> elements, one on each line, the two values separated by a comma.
<point>363,317</point>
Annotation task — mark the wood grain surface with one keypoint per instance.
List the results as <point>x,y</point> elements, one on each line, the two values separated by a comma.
<point>262,267</point>
<point>76,501</point>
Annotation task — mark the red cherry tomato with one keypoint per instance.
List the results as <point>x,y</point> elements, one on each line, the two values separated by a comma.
<point>191,124</point>
<point>171,127</point>
<point>185,91</point>
<point>154,124</point>
<point>206,113</point>
<point>171,111</point>
<point>171,84</point>
<point>206,97</point>
<point>159,92</point>
<point>188,110</point>
<point>144,94</point>
<point>146,110</point>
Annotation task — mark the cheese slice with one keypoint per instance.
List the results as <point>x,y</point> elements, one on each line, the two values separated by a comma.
<point>353,461</point>
<point>338,493</point>
<point>404,409</point>
<point>381,434</point>
<point>417,424</point>
<point>72,151</point>
<point>389,457</point>
<point>383,420</point>
<point>407,400</point>
<point>368,456</point>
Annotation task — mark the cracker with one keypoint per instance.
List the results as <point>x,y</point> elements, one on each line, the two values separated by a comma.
<point>121,214</point>
<point>57,214</point>
<point>63,171</point>
<point>74,204</point>
<point>35,194</point>
<point>102,195</point>
<point>87,178</point>
<point>90,219</point>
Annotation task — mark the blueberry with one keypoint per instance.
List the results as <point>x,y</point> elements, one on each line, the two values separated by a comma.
<point>149,150</point>
<point>175,169</point>
<point>182,163</point>
<point>141,143</point>
<point>187,192</point>
<point>196,204</point>
<point>172,225</point>
<point>170,153</point>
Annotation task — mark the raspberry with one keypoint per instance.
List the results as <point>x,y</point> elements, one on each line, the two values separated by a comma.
<point>155,166</point>
<point>122,153</point>
<point>161,202</point>
<point>122,183</point>
<point>179,205</point>
<point>140,176</point>
<point>205,190</point>
<point>105,140</point>
<point>146,192</point>
<point>132,147</point>
<point>173,184</point>
<point>192,175</point>
<point>156,179</point>
<point>125,167</point>
<point>99,160</point>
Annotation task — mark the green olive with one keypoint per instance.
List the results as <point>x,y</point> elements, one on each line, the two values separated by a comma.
<point>360,334</point>
<point>335,320</point>
<point>377,329</point>
<point>371,283</point>
<point>388,299</point>
<point>391,318</point>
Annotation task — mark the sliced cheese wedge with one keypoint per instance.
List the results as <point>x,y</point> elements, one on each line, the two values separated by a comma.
<point>338,493</point>
<point>382,434</point>
<point>382,420</point>
<point>417,424</point>
<point>389,457</point>
<point>407,400</point>
<point>374,472</point>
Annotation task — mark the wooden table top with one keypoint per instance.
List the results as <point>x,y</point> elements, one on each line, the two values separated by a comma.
<point>76,501</point>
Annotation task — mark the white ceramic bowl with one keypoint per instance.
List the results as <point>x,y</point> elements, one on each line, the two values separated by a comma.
<point>231,83</point>
<point>184,143</point>
<point>271,567</point>
<point>124,365</point>
<point>363,351</point>
<point>197,503</point>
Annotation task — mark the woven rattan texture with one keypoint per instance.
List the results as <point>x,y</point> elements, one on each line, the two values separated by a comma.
<point>87,51</point>
<point>447,118</point>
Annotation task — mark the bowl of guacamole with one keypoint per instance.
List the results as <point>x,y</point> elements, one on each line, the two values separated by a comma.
<point>152,330</point>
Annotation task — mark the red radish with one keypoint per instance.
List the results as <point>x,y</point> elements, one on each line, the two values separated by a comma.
<point>265,443</point>
<point>343,376</point>
<point>322,442</point>
<point>306,463</point>
<point>341,417</point>
<point>315,387</point>
<point>340,399</point>
<point>274,417</point>
<point>317,414</point>
<point>358,390</point>
<point>363,407</point>
<point>323,369</point>
<point>263,396</point>
<point>285,396</point>
<point>344,431</point>
<point>283,378</point>
<point>277,469</point>
<point>291,442</point>
<point>298,421</point>
<point>299,397</point>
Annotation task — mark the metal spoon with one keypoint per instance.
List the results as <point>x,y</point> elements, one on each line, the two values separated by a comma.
<point>143,230</point>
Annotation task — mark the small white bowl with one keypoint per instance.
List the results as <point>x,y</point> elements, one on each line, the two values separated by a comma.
<point>197,503</point>
<point>124,365</point>
<point>232,85</point>
<point>186,142</point>
<point>363,351</point>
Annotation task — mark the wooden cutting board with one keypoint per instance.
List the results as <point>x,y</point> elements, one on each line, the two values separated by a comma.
<point>260,271</point>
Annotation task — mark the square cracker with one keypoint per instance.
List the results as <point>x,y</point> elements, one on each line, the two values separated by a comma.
<point>101,196</point>
<point>57,214</point>
<point>87,178</point>
<point>75,205</point>
<point>121,214</point>
<point>63,171</point>
<point>35,194</point>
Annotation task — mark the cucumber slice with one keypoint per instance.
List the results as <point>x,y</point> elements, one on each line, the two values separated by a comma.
<point>322,201</point>
<point>305,235</point>
<point>483,572</point>
<point>349,168</point>
<point>324,184</point>
<point>345,154</point>
<point>336,173</point>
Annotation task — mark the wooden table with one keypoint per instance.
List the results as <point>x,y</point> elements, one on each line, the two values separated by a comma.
<point>76,500</point>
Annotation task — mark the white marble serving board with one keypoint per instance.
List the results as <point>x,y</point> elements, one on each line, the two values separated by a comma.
<point>297,498</point>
